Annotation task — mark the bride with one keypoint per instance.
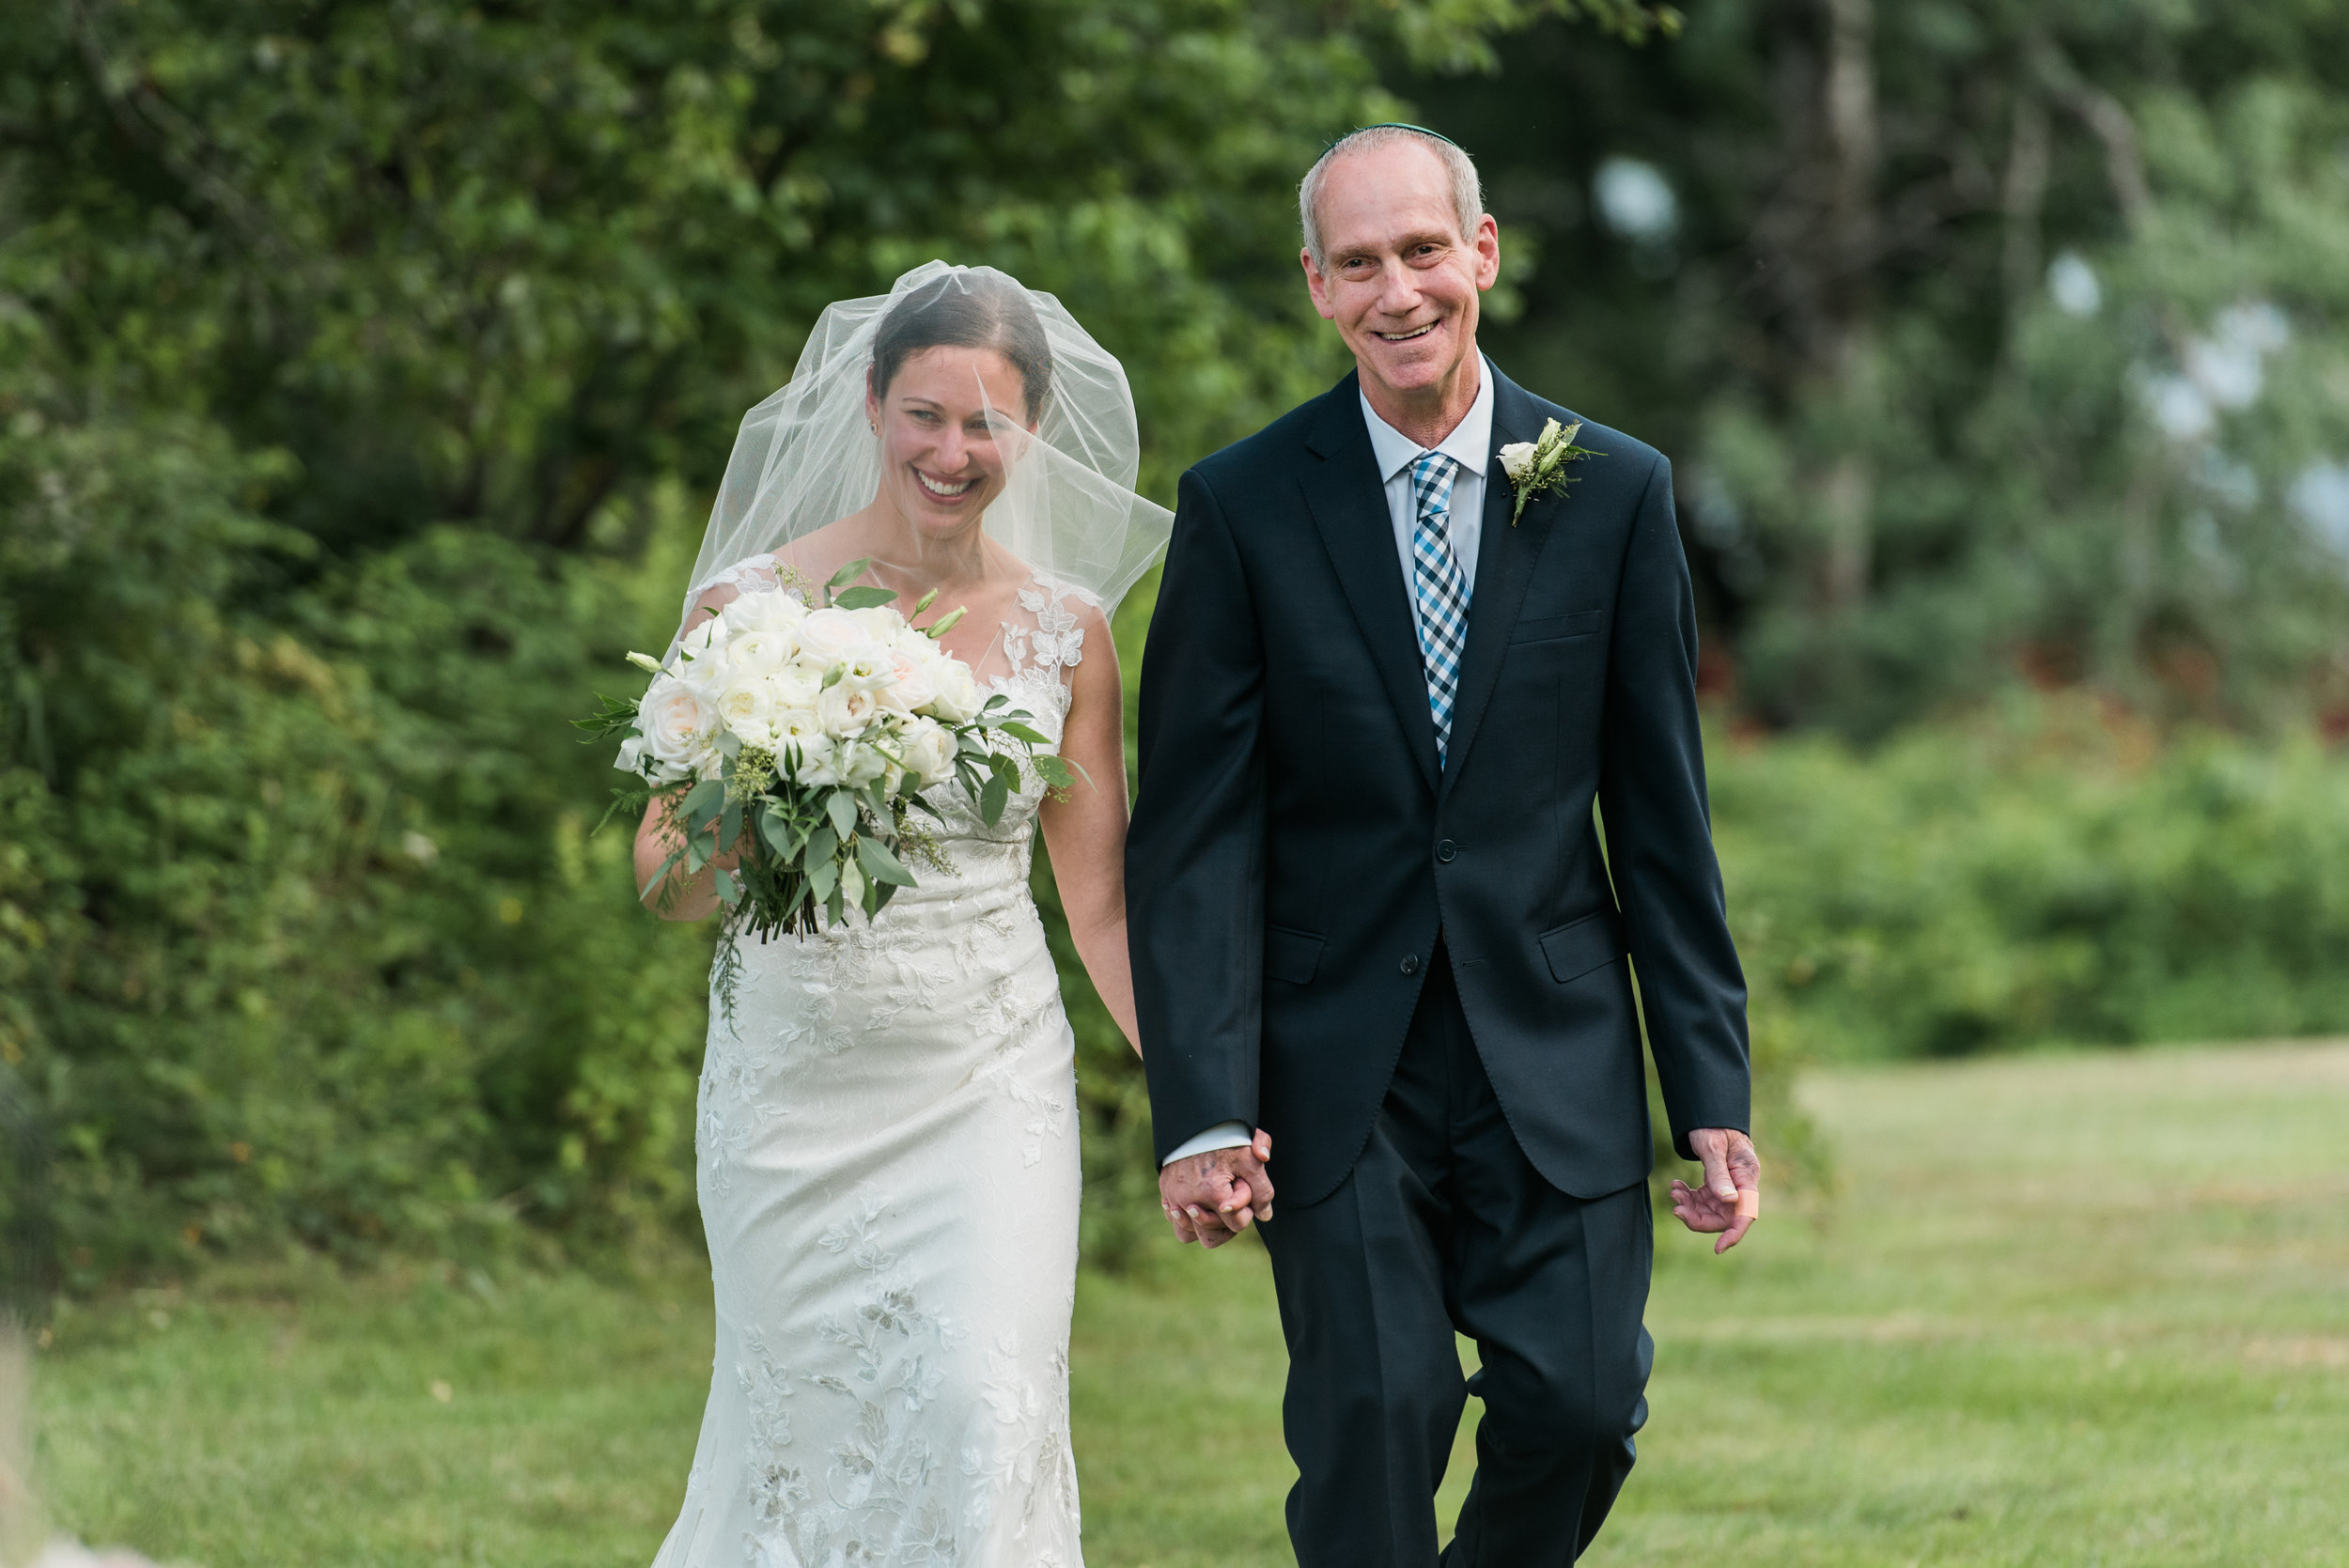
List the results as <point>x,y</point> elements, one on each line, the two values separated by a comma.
<point>887,1134</point>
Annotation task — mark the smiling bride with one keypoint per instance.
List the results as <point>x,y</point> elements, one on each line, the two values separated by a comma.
<point>887,1134</point>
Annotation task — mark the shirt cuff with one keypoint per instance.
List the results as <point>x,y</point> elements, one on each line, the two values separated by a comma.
<point>1223,1135</point>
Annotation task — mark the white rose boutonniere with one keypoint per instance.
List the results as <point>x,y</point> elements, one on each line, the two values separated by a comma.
<point>1538,466</point>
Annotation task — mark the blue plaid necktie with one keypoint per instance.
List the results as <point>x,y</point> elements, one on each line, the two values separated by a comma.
<point>1440,589</point>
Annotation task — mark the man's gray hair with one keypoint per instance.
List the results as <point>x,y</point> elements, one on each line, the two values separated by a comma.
<point>1468,192</point>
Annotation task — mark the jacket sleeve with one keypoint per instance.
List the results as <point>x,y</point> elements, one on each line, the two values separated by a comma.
<point>1194,855</point>
<point>1659,835</point>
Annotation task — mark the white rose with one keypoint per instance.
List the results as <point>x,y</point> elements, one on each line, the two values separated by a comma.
<point>676,722</point>
<point>914,641</point>
<point>881,624</point>
<point>845,709</point>
<point>869,668</point>
<point>750,706</point>
<point>757,651</point>
<point>1516,459</point>
<point>928,749</point>
<point>800,728</point>
<point>829,636</point>
<point>797,683</point>
<point>765,610</point>
<point>957,701</point>
<point>913,685</point>
<point>702,663</point>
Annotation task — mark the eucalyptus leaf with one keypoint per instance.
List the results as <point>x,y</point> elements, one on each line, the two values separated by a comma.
<point>865,598</point>
<point>878,863</point>
<point>992,800</point>
<point>776,828</point>
<point>1018,731</point>
<point>840,806</point>
<point>705,799</point>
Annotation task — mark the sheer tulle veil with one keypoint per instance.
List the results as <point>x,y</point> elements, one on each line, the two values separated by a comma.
<point>806,457</point>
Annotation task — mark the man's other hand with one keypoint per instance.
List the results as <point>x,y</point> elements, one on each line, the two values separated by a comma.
<point>1730,1198</point>
<point>1212,1198</point>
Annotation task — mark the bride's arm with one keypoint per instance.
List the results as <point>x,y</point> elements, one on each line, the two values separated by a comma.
<point>676,896</point>
<point>1086,832</point>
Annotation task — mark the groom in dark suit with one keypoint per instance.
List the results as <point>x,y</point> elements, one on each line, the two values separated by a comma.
<point>1370,911</point>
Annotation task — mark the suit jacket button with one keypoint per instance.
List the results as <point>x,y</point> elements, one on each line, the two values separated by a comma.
<point>1410,963</point>
<point>1445,850</point>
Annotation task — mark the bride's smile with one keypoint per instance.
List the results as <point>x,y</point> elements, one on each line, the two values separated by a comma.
<point>945,490</point>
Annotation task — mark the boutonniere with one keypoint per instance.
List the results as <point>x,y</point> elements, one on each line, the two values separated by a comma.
<point>1538,467</point>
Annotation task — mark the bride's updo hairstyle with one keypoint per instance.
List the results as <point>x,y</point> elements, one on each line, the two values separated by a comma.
<point>966,310</point>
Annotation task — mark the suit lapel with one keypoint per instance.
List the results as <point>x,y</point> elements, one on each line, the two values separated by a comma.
<point>1349,505</point>
<point>1505,558</point>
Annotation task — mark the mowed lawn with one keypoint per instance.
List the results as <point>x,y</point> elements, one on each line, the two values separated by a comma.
<point>2086,1308</point>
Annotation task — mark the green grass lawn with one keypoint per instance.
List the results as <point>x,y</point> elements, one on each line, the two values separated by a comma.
<point>2069,1310</point>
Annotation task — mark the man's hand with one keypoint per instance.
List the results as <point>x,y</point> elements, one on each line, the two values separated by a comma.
<point>1729,1200</point>
<point>1212,1198</point>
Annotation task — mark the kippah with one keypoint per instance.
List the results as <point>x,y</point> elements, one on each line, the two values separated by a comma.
<point>1398,125</point>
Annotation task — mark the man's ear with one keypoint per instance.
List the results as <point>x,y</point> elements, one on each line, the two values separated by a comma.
<point>1487,243</point>
<point>1315,285</point>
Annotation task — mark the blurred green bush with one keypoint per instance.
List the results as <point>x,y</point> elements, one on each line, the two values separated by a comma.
<point>302,939</point>
<point>2048,871</point>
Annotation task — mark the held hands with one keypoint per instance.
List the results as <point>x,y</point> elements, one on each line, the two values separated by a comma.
<point>1730,1199</point>
<point>1212,1198</point>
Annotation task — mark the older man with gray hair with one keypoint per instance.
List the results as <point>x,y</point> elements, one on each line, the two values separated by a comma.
<point>1409,635</point>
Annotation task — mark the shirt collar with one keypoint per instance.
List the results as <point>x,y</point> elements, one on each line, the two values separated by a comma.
<point>1471,443</point>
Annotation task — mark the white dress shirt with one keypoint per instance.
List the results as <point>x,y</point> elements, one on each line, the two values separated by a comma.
<point>1471,444</point>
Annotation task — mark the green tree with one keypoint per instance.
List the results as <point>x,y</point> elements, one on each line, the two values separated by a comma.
<point>1992,338</point>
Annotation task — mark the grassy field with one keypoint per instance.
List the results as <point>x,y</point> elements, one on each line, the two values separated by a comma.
<point>2070,1310</point>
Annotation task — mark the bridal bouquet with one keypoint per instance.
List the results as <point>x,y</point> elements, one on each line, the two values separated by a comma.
<point>800,738</point>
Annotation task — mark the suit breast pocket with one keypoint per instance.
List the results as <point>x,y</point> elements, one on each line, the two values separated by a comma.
<point>1552,628</point>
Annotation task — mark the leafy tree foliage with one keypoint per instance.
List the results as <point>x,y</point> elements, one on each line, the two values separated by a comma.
<point>1991,337</point>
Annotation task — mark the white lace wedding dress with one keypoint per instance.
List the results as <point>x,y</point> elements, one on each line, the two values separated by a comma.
<point>889,1182</point>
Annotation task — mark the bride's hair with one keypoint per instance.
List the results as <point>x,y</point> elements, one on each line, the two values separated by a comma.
<point>966,310</point>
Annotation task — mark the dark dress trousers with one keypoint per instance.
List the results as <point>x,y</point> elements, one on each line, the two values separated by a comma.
<point>1411,974</point>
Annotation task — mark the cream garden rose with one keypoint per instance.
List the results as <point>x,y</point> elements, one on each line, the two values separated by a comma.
<point>829,636</point>
<point>677,725</point>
